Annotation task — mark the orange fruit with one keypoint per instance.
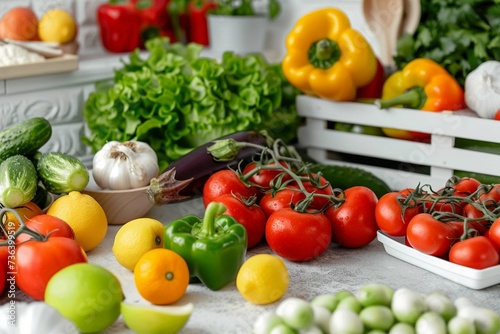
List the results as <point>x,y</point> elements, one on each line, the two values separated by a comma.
<point>161,276</point>
<point>25,211</point>
<point>19,23</point>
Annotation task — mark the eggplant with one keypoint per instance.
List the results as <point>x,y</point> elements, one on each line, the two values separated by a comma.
<point>186,176</point>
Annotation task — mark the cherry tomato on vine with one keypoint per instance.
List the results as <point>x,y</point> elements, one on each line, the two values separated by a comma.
<point>430,236</point>
<point>494,232</point>
<point>46,225</point>
<point>249,215</point>
<point>435,204</point>
<point>298,236</point>
<point>466,186</point>
<point>473,228</point>
<point>319,186</point>
<point>264,177</point>
<point>490,198</point>
<point>282,199</point>
<point>226,182</point>
<point>38,260</point>
<point>389,214</point>
<point>471,212</point>
<point>353,222</point>
<point>477,252</point>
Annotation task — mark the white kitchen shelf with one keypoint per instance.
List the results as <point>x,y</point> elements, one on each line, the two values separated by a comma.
<point>436,160</point>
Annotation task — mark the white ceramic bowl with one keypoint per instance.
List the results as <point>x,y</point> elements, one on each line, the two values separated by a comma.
<point>120,206</point>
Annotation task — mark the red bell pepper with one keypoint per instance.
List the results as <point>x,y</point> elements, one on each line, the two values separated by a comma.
<point>373,90</point>
<point>120,26</point>
<point>197,31</point>
<point>155,20</point>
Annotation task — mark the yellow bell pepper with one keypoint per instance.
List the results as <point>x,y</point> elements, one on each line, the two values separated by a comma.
<point>422,84</point>
<point>327,58</point>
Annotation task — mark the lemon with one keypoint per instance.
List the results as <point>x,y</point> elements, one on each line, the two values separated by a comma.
<point>152,319</point>
<point>136,238</point>
<point>85,216</point>
<point>262,279</point>
<point>57,25</point>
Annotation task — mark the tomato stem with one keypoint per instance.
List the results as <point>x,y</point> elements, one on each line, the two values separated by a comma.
<point>278,156</point>
<point>21,229</point>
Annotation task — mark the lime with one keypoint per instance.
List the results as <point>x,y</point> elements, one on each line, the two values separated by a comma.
<point>262,279</point>
<point>152,319</point>
<point>86,294</point>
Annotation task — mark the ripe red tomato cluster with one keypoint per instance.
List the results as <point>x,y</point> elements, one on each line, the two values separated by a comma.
<point>28,260</point>
<point>273,214</point>
<point>460,222</point>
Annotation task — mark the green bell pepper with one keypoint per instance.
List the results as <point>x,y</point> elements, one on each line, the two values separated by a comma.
<point>214,247</point>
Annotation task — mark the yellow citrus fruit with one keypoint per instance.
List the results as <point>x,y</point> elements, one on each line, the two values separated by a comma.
<point>57,25</point>
<point>135,238</point>
<point>85,216</point>
<point>161,276</point>
<point>262,279</point>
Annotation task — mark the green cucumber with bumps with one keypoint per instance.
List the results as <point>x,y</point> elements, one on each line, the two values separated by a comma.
<point>62,173</point>
<point>18,181</point>
<point>345,177</point>
<point>24,138</point>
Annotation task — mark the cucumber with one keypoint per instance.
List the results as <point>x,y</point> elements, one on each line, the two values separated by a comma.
<point>62,173</point>
<point>18,181</point>
<point>25,137</point>
<point>345,177</point>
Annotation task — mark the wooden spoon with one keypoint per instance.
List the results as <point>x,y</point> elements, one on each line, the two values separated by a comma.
<point>411,17</point>
<point>384,19</point>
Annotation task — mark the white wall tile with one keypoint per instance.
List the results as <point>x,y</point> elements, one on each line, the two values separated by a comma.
<point>86,11</point>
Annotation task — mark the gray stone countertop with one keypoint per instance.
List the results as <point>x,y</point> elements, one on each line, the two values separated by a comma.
<point>226,311</point>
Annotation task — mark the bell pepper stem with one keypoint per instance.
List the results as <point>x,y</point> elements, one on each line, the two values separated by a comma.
<point>413,99</point>
<point>208,223</point>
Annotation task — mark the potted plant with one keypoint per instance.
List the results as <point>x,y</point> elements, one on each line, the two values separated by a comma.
<point>239,26</point>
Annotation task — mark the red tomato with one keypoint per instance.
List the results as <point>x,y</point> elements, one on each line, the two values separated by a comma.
<point>46,225</point>
<point>494,232</point>
<point>430,236</point>
<point>298,236</point>
<point>264,177</point>
<point>490,198</point>
<point>318,185</point>
<point>466,186</point>
<point>473,213</point>
<point>389,214</point>
<point>225,182</point>
<point>251,216</point>
<point>37,261</point>
<point>472,227</point>
<point>282,199</point>
<point>477,252</point>
<point>432,204</point>
<point>353,222</point>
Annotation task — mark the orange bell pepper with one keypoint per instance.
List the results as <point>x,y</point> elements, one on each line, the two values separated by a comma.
<point>326,57</point>
<point>422,84</point>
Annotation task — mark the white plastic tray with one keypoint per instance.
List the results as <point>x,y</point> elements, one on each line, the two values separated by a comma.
<point>469,277</point>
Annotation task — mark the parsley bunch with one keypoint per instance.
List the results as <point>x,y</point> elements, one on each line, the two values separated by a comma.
<point>457,34</point>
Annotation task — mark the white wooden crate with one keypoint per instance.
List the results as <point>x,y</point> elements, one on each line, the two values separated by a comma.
<point>439,158</point>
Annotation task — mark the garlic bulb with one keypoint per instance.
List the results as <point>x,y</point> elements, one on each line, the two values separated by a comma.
<point>482,89</point>
<point>128,165</point>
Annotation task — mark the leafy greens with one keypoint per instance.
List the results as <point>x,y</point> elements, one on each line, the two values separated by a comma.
<point>175,100</point>
<point>458,34</point>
